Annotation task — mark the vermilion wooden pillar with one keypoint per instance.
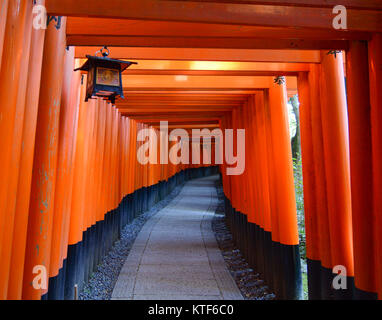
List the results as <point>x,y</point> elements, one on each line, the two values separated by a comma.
<point>285,194</point>
<point>45,160</point>
<point>72,100</point>
<point>26,164</point>
<point>101,156</point>
<point>233,178</point>
<point>375,76</point>
<point>12,89</point>
<point>283,164</point>
<point>262,160</point>
<point>89,167</point>
<point>64,180</point>
<point>76,210</point>
<point>275,236</point>
<point>88,189</point>
<point>249,162</point>
<point>336,150</point>
<point>252,185</point>
<point>322,217</point>
<point>361,169</point>
<point>253,164</point>
<point>10,214</point>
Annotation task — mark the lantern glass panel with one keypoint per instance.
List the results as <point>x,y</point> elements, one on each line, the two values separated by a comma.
<point>108,77</point>
<point>90,81</point>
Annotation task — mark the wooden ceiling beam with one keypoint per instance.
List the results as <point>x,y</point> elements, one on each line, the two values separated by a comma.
<point>150,91</point>
<point>173,65</point>
<point>200,107</point>
<point>215,68</point>
<point>184,99</point>
<point>125,27</point>
<point>138,111</point>
<point>179,117</point>
<point>177,123</point>
<point>191,54</point>
<point>183,102</point>
<point>190,126</point>
<point>211,73</point>
<point>218,13</point>
<point>179,96</point>
<point>205,42</point>
<point>197,82</point>
<point>174,104</point>
<point>351,4</point>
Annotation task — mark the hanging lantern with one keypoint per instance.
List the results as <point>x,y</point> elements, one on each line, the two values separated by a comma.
<point>104,76</point>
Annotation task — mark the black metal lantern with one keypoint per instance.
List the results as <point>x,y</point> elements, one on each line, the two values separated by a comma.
<point>104,76</point>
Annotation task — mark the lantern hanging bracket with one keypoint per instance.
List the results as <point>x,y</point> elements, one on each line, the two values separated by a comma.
<point>104,51</point>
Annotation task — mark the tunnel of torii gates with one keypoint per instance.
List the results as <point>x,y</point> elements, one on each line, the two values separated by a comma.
<point>70,179</point>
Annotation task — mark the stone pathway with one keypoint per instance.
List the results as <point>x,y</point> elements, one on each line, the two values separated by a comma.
<point>175,256</point>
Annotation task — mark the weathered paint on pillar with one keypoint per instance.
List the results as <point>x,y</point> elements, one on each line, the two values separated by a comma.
<point>66,143</point>
<point>70,143</point>
<point>76,211</point>
<point>10,212</point>
<point>41,208</point>
<point>10,124</point>
<point>26,165</point>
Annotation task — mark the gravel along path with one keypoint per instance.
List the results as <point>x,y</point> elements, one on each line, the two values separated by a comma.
<point>102,282</point>
<point>252,287</point>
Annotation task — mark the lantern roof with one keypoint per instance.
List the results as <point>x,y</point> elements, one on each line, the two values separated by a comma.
<point>91,59</point>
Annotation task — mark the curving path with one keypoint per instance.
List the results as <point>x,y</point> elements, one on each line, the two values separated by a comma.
<point>175,256</point>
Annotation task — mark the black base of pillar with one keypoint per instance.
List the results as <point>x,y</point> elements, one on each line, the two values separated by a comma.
<point>278,264</point>
<point>314,279</point>
<point>364,295</point>
<point>291,272</point>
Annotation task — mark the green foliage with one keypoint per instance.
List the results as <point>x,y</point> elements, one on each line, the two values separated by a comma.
<point>292,120</point>
<point>299,190</point>
<point>305,285</point>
